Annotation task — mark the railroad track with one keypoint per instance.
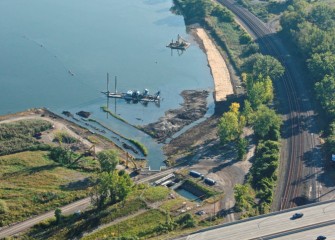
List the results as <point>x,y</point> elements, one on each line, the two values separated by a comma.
<point>296,145</point>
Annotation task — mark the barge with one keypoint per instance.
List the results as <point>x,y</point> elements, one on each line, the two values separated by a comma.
<point>180,43</point>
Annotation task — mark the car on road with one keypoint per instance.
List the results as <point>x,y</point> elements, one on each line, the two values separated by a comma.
<point>297,215</point>
<point>321,238</point>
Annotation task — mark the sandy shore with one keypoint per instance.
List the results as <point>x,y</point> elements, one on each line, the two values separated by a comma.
<point>222,83</point>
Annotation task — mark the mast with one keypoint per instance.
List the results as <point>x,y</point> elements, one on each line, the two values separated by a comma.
<point>115,84</point>
<point>107,82</point>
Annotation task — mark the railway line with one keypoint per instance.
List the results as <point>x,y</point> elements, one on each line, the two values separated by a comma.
<point>291,93</point>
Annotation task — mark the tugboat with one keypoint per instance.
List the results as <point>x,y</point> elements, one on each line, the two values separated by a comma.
<point>179,44</point>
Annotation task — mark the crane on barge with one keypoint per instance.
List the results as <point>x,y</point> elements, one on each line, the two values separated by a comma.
<point>132,95</point>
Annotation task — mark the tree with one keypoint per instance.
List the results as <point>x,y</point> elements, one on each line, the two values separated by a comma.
<point>266,123</point>
<point>248,112</point>
<point>251,48</point>
<point>325,90</point>
<point>268,66</point>
<point>231,124</point>
<point>61,155</point>
<point>323,16</point>
<point>187,221</point>
<point>110,185</point>
<point>58,215</point>
<point>242,145</point>
<point>264,65</point>
<point>108,160</point>
<point>321,64</point>
<point>243,198</point>
<point>260,91</point>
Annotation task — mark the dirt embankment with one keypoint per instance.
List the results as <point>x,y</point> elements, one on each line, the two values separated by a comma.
<point>193,108</point>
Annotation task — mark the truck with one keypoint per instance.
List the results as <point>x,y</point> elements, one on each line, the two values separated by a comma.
<point>196,174</point>
<point>210,181</point>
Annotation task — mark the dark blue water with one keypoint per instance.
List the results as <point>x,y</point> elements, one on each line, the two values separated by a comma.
<point>42,41</point>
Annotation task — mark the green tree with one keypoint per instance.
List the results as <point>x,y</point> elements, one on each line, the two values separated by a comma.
<point>187,221</point>
<point>58,215</point>
<point>222,13</point>
<point>321,64</point>
<point>325,90</point>
<point>114,186</point>
<point>266,123</point>
<point>242,145</point>
<point>248,112</point>
<point>231,124</point>
<point>263,65</point>
<point>260,92</point>
<point>61,155</point>
<point>268,66</point>
<point>108,160</point>
<point>323,16</point>
<point>243,197</point>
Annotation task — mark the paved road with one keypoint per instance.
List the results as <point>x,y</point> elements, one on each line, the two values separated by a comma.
<point>276,223</point>
<point>68,209</point>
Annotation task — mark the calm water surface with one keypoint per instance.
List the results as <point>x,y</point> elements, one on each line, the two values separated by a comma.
<point>42,41</point>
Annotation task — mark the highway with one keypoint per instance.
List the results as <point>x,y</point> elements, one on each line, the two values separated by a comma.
<point>318,220</point>
<point>68,209</point>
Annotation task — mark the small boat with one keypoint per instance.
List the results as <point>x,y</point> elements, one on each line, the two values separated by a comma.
<point>71,73</point>
<point>179,44</point>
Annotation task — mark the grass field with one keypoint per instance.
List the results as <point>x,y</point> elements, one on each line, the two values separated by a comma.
<point>154,194</point>
<point>31,183</point>
<point>142,226</point>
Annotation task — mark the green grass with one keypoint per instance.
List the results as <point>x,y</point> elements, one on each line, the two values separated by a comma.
<point>154,194</point>
<point>31,184</point>
<point>227,35</point>
<point>141,226</point>
<point>208,192</point>
<point>141,147</point>
<point>72,227</point>
<point>18,136</point>
<point>174,204</point>
<point>105,109</point>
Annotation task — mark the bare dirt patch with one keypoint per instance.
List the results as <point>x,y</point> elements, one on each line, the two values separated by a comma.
<point>193,108</point>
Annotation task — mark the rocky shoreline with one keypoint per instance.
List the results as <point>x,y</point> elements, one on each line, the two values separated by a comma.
<point>193,108</point>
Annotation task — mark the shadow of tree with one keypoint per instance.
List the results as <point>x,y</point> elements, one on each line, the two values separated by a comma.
<point>30,171</point>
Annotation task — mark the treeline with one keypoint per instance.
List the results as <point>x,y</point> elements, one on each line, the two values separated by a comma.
<point>257,71</point>
<point>256,114</point>
<point>312,30</point>
<point>19,136</point>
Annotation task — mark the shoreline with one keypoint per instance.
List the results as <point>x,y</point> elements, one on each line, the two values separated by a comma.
<point>222,81</point>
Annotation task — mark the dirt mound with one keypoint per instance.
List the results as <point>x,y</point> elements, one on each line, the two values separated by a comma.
<point>193,108</point>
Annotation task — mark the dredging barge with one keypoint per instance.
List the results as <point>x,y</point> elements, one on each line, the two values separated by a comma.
<point>135,95</point>
<point>132,95</point>
<point>180,43</point>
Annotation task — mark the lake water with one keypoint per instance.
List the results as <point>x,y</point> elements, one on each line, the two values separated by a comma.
<point>43,41</point>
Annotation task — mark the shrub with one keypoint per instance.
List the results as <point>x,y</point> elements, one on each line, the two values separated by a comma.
<point>3,207</point>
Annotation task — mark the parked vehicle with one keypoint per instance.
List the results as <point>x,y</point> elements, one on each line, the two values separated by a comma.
<point>201,212</point>
<point>321,238</point>
<point>210,181</point>
<point>196,174</point>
